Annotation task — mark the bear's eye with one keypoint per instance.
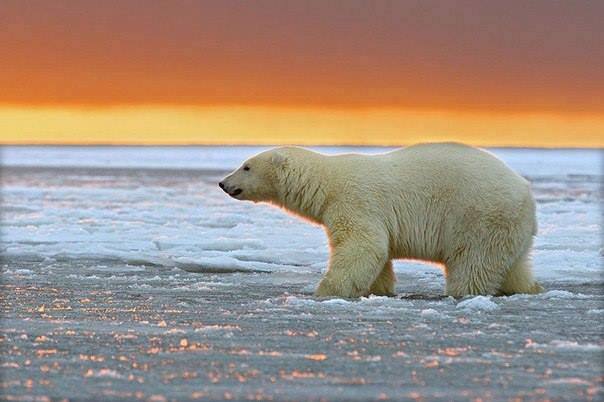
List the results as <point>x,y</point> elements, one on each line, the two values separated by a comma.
<point>246,168</point>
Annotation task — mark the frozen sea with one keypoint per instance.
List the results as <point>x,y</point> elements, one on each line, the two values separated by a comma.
<point>128,274</point>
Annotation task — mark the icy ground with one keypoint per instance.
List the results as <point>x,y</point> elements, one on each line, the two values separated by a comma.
<point>127,274</point>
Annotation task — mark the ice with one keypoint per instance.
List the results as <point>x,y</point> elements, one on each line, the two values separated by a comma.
<point>567,345</point>
<point>298,301</point>
<point>103,373</point>
<point>478,303</point>
<point>432,313</point>
<point>309,302</point>
<point>175,216</point>
<point>128,269</point>
<point>215,264</point>
<point>335,301</point>
<point>571,162</point>
<point>563,294</point>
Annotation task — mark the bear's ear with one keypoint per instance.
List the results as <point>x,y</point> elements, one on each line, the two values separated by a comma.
<point>279,159</point>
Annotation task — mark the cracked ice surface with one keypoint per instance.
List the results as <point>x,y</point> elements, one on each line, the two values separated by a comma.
<point>127,273</point>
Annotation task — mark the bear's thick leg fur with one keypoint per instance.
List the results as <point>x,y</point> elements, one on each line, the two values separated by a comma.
<point>384,284</point>
<point>472,278</point>
<point>474,271</point>
<point>352,270</point>
<point>519,278</point>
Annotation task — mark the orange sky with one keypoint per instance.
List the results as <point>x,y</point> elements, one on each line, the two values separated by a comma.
<point>485,72</point>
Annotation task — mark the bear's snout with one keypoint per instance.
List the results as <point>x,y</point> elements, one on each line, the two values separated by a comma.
<point>232,192</point>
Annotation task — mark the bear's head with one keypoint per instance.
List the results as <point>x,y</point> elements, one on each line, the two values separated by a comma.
<point>257,178</point>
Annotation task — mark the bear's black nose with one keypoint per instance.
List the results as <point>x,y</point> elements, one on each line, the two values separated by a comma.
<point>221,185</point>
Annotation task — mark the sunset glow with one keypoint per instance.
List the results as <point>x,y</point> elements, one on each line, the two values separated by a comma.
<point>270,72</point>
<point>307,126</point>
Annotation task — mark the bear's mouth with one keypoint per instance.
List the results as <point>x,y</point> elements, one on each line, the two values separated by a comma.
<point>227,189</point>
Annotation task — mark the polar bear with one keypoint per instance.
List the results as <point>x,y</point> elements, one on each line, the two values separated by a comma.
<point>442,202</point>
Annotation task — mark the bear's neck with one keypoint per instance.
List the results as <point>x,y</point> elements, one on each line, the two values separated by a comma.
<point>301,187</point>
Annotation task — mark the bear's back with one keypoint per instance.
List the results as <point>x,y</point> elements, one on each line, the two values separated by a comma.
<point>445,164</point>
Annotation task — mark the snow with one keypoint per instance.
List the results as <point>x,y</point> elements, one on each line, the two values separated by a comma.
<point>432,313</point>
<point>307,301</point>
<point>563,294</point>
<point>131,253</point>
<point>567,345</point>
<point>478,303</point>
<point>103,373</point>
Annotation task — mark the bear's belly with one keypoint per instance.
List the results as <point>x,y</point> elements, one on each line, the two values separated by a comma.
<point>418,234</point>
<point>423,245</point>
<point>424,251</point>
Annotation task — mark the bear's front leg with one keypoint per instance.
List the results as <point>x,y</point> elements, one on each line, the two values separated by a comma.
<point>384,284</point>
<point>354,266</point>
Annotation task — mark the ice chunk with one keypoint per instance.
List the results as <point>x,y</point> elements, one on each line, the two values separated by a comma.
<point>563,294</point>
<point>431,313</point>
<point>478,303</point>
<point>565,345</point>
<point>335,302</point>
<point>216,264</point>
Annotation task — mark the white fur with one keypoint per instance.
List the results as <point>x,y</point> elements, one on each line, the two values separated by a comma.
<point>448,203</point>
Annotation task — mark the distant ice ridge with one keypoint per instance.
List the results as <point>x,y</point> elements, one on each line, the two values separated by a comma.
<point>529,162</point>
<point>178,157</point>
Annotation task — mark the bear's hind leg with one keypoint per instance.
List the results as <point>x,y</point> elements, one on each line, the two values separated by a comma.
<point>471,280</point>
<point>384,284</point>
<point>519,278</point>
<point>473,273</point>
